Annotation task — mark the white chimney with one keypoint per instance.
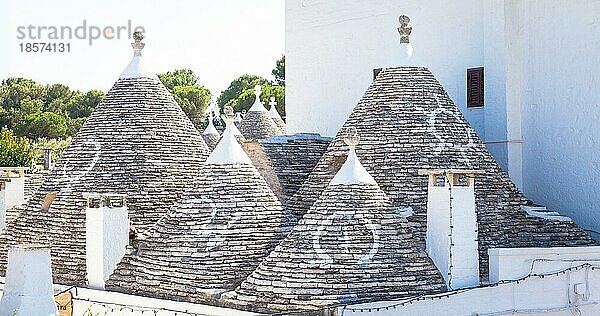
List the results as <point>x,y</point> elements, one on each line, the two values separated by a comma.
<point>47,158</point>
<point>452,226</point>
<point>12,190</point>
<point>106,235</point>
<point>28,286</point>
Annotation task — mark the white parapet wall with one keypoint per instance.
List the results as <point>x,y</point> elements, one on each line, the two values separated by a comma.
<point>515,263</point>
<point>452,226</point>
<point>566,282</point>
<point>99,302</point>
<point>532,296</point>
<point>107,235</point>
<point>28,287</point>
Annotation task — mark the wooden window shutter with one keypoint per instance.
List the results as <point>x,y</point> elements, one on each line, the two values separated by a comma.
<point>475,87</point>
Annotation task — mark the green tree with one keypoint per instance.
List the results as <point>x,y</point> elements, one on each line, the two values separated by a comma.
<point>14,151</point>
<point>184,86</point>
<point>279,71</point>
<point>82,105</point>
<point>43,125</point>
<point>238,86</point>
<point>57,97</point>
<point>193,101</point>
<point>178,78</point>
<point>74,125</point>
<point>23,102</point>
<point>19,97</point>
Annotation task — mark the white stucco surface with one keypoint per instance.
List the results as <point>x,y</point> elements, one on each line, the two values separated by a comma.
<point>107,235</point>
<point>100,302</point>
<point>228,150</point>
<point>210,129</point>
<point>118,304</point>
<point>561,121</point>
<point>533,296</point>
<point>15,192</point>
<point>137,69</point>
<point>28,284</point>
<point>352,172</point>
<point>11,195</point>
<point>257,106</point>
<point>515,263</point>
<point>542,69</point>
<point>453,250</point>
<point>332,47</point>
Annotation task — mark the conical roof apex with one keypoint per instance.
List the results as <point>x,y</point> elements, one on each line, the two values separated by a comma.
<point>136,67</point>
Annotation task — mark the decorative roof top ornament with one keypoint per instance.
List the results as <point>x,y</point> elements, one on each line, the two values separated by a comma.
<point>238,117</point>
<point>351,138</point>
<point>404,30</point>
<point>137,44</point>
<point>272,102</point>
<point>273,110</point>
<point>228,115</point>
<point>210,128</point>
<point>257,106</point>
<point>228,150</point>
<point>257,90</point>
<point>274,114</point>
<point>352,171</point>
<point>136,68</point>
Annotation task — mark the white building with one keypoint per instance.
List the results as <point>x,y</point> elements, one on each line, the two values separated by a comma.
<point>541,61</point>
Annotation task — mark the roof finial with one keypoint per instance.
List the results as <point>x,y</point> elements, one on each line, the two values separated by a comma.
<point>404,30</point>
<point>352,171</point>
<point>351,137</point>
<point>272,102</point>
<point>228,115</point>
<point>228,150</point>
<point>257,90</point>
<point>137,44</point>
<point>257,106</point>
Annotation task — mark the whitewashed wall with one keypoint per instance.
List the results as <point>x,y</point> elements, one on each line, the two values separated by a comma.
<point>118,304</point>
<point>553,294</point>
<point>332,46</point>
<point>561,112</point>
<point>98,302</point>
<point>515,263</point>
<point>541,117</point>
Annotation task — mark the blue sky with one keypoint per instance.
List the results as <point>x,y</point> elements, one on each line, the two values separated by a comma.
<point>218,39</point>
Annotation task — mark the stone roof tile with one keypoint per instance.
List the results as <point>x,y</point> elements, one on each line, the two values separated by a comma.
<point>407,122</point>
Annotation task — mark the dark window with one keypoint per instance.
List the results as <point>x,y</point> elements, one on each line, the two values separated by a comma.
<point>475,87</point>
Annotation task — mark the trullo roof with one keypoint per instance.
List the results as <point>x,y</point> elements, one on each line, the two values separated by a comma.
<point>213,237</point>
<point>136,142</point>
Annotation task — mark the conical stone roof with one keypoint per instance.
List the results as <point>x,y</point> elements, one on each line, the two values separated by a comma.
<point>275,115</point>
<point>257,124</point>
<point>137,142</point>
<point>350,247</point>
<point>407,122</point>
<point>213,237</point>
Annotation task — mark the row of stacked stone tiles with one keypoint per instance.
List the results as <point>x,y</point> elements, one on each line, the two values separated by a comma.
<point>213,231</point>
